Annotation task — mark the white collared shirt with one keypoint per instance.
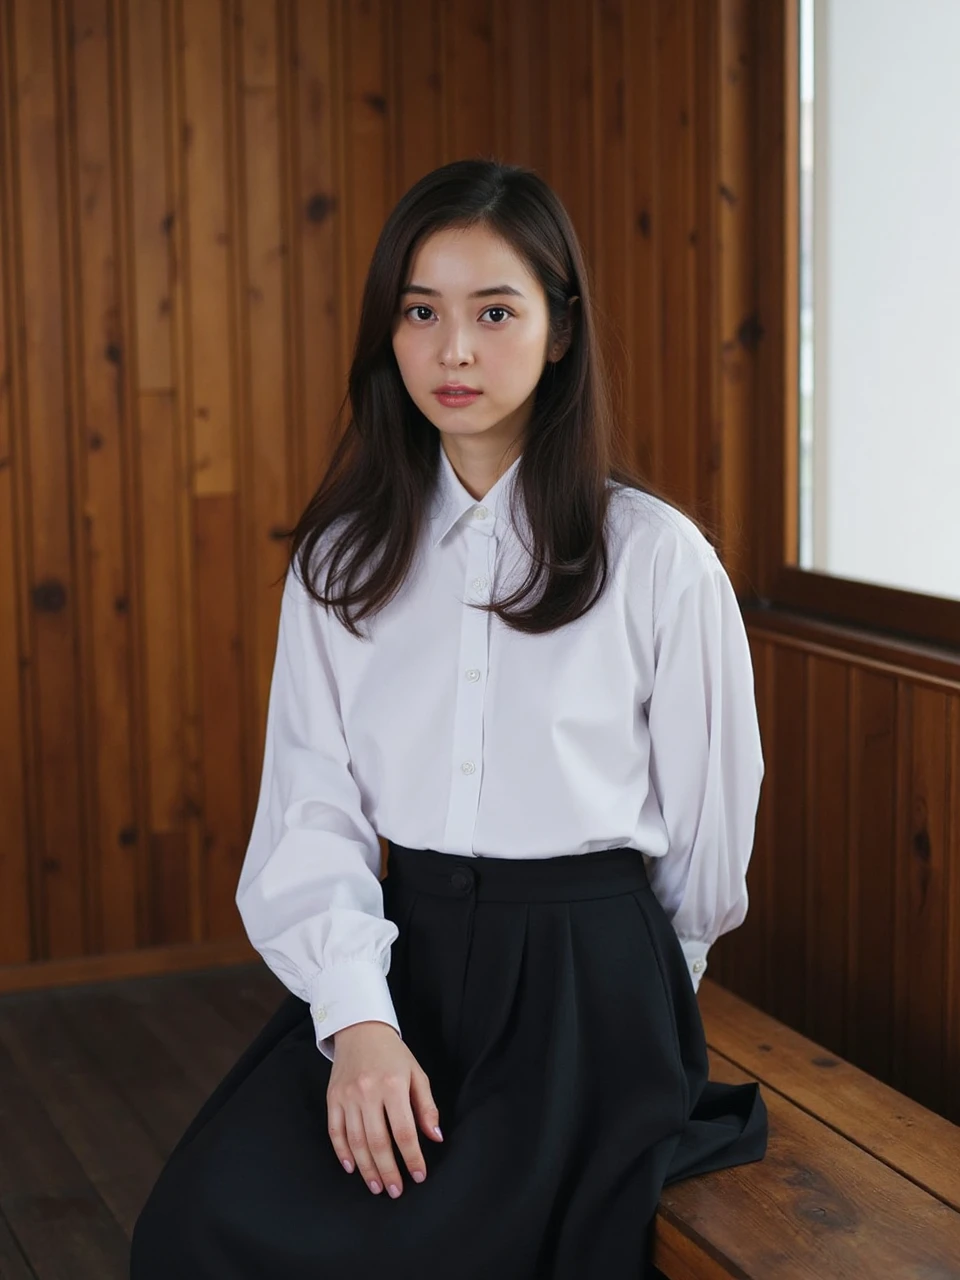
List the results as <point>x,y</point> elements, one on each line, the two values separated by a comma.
<point>634,726</point>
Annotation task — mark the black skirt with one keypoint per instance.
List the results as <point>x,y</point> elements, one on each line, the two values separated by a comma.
<point>550,1005</point>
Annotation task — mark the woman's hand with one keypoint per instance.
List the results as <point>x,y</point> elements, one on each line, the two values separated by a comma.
<point>374,1070</point>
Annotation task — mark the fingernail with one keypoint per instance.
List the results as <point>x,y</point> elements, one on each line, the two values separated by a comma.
<point>375,1186</point>
<point>436,1130</point>
<point>418,1176</point>
<point>394,1190</point>
<point>348,1165</point>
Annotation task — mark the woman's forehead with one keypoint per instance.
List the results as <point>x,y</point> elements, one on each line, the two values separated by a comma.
<point>462,260</point>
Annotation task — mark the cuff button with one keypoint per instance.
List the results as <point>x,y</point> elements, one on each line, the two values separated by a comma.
<point>320,1013</point>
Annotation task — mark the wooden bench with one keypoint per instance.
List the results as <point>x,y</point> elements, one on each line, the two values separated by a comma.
<point>859,1182</point>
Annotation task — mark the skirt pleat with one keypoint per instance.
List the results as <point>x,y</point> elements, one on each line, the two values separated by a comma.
<point>550,1004</point>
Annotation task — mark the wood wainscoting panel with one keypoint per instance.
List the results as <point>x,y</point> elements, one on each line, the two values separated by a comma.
<point>856,860</point>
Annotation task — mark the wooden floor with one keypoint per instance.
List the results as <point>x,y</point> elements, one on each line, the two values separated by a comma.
<point>97,1083</point>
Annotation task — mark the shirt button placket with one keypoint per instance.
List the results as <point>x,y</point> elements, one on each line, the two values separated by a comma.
<point>474,656</point>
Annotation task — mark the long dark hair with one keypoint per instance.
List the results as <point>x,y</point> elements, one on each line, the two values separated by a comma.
<point>386,461</point>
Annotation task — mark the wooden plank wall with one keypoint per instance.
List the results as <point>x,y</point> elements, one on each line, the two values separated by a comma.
<point>190,196</point>
<point>853,932</point>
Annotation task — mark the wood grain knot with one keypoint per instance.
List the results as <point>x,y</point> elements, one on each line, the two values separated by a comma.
<point>320,206</point>
<point>49,596</point>
<point>750,333</point>
<point>921,844</point>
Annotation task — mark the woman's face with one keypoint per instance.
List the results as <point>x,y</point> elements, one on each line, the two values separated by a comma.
<point>471,313</point>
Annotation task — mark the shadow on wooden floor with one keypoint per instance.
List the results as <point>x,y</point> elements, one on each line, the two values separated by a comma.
<point>97,1083</point>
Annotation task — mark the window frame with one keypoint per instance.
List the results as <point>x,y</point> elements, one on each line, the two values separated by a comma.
<point>781,583</point>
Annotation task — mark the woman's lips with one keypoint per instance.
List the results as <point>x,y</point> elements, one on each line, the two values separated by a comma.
<point>457,399</point>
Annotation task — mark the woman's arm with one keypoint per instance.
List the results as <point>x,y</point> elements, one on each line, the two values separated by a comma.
<point>309,892</point>
<point>706,760</point>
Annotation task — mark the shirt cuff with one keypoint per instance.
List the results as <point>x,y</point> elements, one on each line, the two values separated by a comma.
<point>354,991</point>
<point>695,954</point>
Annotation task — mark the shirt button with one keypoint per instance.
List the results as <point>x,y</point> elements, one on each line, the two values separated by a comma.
<point>698,966</point>
<point>320,1013</point>
<point>468,766</point>
<point>480,513</point>
<point>479,583</point>
<point>473,674</point>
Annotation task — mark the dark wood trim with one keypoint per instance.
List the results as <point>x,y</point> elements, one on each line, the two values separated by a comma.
<point>125,964</point>
<point>899,614</point>
<point>896,655</point>
<point>775,131</point>
<point>779,581</point>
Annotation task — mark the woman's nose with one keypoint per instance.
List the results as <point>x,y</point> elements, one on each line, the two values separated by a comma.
<point>455,349</point>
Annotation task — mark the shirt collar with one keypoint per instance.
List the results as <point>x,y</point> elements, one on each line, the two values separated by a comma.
<point>452,501</point>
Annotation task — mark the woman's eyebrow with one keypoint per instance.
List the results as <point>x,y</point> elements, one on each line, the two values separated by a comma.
<point>479,293</point>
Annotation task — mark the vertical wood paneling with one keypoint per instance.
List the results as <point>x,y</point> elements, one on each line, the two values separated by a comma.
<point>183,514</point>
<point>788,757</point>
<point>418,79</point>
<point>61,844</point>
<point>612,258</point>
<point>170,818</point>
<point>318,287</point>
<point>266,429</point>
<point>205,142</point>
<point>827,851</point>
<point>159,461</point>
<point>522,100</point>
<point>112,875</point>
<point>214,280</point>
<point>733,216</point>
<point>366,140</point>
<point>221,713</point>
<point>149,108</point>
<point>871,854</point>
<point>567,48</point>
<point>191,191</point>
<point>473,82</point>
<point>678,303</point>
<point>645,381</point>
<point>16,898</point>
<point>851,934</point>
<point>921,918</point>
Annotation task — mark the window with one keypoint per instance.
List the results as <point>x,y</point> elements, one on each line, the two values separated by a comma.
<point>878,430</point>
<point>856,266</point>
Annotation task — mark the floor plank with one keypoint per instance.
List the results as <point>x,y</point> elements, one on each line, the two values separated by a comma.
<point>13,1264</point>
<point>53,1210</point>
<point>97,1085</point>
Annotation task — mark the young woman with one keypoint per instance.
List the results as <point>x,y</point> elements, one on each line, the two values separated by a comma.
<point>492,1061</point>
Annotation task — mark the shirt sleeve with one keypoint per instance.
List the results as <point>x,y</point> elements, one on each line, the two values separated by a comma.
<point>309,892</point>
<point>706,762</point>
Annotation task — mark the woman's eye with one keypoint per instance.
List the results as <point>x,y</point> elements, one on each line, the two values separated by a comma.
<point>420,307</point>
<point>502,311</point>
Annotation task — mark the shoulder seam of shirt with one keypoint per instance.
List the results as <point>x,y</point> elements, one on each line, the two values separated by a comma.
<point>710,565</point>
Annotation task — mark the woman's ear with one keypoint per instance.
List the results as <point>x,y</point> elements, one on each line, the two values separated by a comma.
<point>561,344</point>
